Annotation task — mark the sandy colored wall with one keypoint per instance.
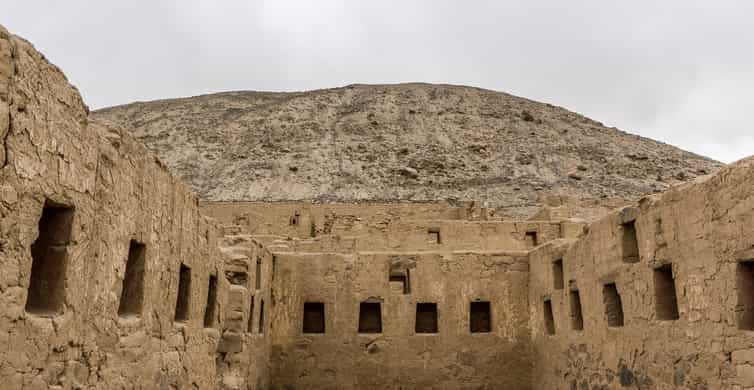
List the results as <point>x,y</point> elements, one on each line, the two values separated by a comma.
<point>51,154</point>
<point>397,358</point>
<point>244,349</point>
<point>703,230</point>
<point>303,220</point>
<point>414,235</point>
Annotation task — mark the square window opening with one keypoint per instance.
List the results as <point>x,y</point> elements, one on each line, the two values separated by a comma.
<point>426,318</point>
<point>132,293</point>
<point>258,275</point>
<point>577,319</point>
<point>630,243</point>
<point>400,281</point>
<point>250,321</point>
<point>314,317</point>
<point>745,287</point>
<point>665,296</point>
<point>531,239</point>
<point>557,274</point>
<point>613,305</point>
<point>261,316</point>
<point>183,303</point>
<point>433,236</point>
<point>480,318</point>
<point>210,315</point>
<point>548,318</point>
<point>370,317</point>
<point>46,294</point>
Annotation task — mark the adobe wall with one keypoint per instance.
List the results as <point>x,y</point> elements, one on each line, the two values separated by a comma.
<point>432,235</point>
<point>703,231</point>
<point>397,357</point>
<point>65,331</point>
<point>304,219</point>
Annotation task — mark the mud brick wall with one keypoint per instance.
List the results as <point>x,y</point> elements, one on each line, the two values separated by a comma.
<point>395,355</point>
<point>94,235</point>
<point>665,289</point>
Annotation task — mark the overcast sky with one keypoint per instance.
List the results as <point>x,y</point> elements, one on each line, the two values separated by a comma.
<point>677,71</point>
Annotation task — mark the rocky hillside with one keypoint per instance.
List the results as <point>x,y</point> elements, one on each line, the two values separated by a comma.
<point>412,142</point>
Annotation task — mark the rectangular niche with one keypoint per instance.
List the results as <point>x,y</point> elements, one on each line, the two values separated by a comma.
<point>433,236</point>
<point>261,316</point>
<point>531,239</point>
<point>370,317</point>
<point>258,275</point>
<point>183,303</point>
<point>314,317</point>
<point>209,311</point>
<point>132,293</point>
<point>577,319</point>
<point>46,295</point>
<point>400,281</point>
<point>557,274</point>
<point>745,287</point>
<point>250,321</point>
<point>665,297</point>
<point>480,318</point>
<point>630,243</point>
<point>613,305</point>
<point>426,318</point>
<point>238,278</point>
<point>548,317</point>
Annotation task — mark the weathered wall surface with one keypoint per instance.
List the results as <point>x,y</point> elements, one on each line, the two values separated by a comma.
<point>244,350</point>
<point>397,357</point>
<point>701,234</point>
<point>433,235</point>
<point>304,219</point>
<point>116,192</point>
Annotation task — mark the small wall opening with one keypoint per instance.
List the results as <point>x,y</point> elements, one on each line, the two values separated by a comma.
<point>630,243</point>
<point>433,236</point>
<point>531,239</point>
<point>46,295</point>
<point>238,278</point>
<point>400,281</point>
<point>745,287</point>
<point>613,305</point>
<point>577,319</point>
<point>250,321</point>
<point>132,293</point>
<point>557,274</point>
<point>314,317</point>
<point>183,304</point>
<point>480,318</point>
<point>549,320</point>
<point>209,311</point>
<point>293,221</point>
<point>261,316</point>
<point>258,275</point>
<point>370,317</point>
<point>426,318</point>
<point>665,297</point>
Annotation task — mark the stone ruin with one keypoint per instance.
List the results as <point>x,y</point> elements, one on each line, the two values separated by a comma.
<point>114,276</point>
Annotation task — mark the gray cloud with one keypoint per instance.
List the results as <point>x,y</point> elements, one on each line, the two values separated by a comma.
<point>678,71</point>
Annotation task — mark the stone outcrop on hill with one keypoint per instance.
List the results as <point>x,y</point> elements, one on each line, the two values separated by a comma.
<point>407,142</point>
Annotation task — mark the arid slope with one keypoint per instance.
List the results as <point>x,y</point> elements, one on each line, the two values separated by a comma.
<point>414,142</point>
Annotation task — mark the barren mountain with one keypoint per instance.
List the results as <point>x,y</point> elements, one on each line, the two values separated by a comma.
<point>411,142</point>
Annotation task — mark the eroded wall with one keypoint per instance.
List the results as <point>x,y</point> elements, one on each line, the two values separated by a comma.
<point>73,336</point>
<point>699,237</point>
<point>432,235</point>
<point>304,219</point>
<point>397,357</point>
